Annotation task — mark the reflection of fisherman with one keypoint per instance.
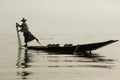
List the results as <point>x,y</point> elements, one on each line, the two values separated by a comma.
<point>28,36</point>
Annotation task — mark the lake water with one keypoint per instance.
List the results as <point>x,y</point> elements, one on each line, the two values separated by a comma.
<point>36,65</point>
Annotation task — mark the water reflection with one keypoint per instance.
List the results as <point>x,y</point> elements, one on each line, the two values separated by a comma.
<point>82,59</point>
<point>23,63</point>
<point>23,75</point>
<point>52,61</point>
<point>95,57</point>
<point>89,66</point>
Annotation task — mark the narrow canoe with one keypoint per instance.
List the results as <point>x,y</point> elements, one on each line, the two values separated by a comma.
<point>71,49</point>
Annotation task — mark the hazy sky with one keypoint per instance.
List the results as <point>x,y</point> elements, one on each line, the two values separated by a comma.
<point>61,16</point>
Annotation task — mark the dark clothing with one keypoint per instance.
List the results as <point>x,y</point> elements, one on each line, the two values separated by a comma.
<point>28,36</point>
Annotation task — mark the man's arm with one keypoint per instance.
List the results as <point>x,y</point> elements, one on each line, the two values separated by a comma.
<point>18,25</point>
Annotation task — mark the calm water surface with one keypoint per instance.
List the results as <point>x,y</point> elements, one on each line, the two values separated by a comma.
<point>36,65</point>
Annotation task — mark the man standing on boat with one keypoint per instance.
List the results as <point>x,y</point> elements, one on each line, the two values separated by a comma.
<point>28,36</point>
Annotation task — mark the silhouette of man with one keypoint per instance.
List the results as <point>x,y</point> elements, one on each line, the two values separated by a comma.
<point>28,36</point>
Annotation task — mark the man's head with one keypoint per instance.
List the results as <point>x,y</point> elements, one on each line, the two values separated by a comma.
<point>23,20</point>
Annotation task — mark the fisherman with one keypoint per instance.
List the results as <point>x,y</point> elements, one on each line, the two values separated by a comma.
<point>28,36</point>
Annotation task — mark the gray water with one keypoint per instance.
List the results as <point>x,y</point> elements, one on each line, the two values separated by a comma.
<point>25,64</point>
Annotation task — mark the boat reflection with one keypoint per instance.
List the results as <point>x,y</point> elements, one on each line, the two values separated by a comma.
<point>23,63</point>
<point>83,59</point>
<point>59,60</point>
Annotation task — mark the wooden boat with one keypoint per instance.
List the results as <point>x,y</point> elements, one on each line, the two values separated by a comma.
<point>72,48</point>
<point>64,49</point>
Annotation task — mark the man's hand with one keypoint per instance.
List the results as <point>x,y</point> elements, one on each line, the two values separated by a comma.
<point>17,25</point>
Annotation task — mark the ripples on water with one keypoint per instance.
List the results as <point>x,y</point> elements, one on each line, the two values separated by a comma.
<point>32,62</point>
